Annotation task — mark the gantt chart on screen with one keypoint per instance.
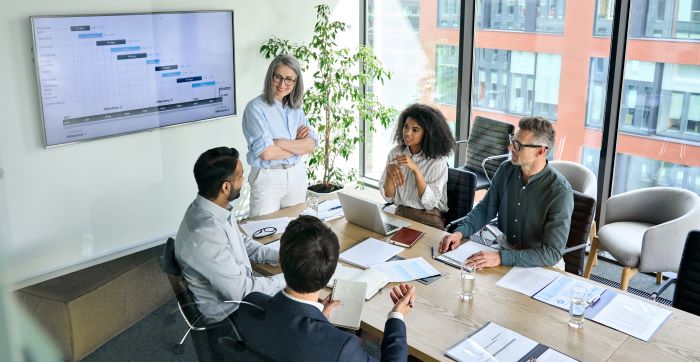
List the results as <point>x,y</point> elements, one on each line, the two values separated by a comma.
<point>106,75</point>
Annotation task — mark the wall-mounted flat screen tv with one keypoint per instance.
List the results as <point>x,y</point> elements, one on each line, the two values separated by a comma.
<point>106,75</point>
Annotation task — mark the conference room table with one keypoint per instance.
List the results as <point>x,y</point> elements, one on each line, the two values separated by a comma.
<point>440,319</point>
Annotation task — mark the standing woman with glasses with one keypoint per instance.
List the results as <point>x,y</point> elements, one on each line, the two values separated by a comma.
<point>278,135</point>
<point>415,177</point>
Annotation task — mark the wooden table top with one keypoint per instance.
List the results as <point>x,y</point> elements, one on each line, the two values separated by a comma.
<point>439,319</point>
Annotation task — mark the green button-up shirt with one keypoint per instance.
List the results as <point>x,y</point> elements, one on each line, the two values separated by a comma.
<point>534,216</point>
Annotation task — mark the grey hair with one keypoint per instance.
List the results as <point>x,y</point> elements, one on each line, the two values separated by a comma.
<point>541,128</point>
<point>293,99</point>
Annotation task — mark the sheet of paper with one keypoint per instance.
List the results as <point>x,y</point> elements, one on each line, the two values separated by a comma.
<point>406,270</point>
<point>492,343</point>
<point>527,280</point>
<point>370,252</point>
<point>558,292</point>
<point>632,316</point>
<point>552,355</point>
<point>458,256</point>
<point>250,227</point>
<point>375,280</point>
<point>327,210</point>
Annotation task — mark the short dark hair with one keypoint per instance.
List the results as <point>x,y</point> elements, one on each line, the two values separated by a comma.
<point>541,128</point>
<point>212,168</point>
<point>308,254</point>
<point>438,140</point>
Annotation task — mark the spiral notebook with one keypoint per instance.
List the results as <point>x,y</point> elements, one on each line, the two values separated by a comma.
<point>352,297</point>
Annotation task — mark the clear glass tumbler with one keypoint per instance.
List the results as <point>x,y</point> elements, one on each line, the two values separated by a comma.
<point>577,306</point>
<point>468,276</point>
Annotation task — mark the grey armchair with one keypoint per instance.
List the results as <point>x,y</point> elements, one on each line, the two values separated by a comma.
<point>645,230</point>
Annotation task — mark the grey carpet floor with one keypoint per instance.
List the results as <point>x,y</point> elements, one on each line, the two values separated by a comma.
<point>152,338</point>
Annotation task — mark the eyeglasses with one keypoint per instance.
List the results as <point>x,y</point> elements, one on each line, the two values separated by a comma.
<point>518,146</point>
<point>264,232</point>
<point>287,81</point>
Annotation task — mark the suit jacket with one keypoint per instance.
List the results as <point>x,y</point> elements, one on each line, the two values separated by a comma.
<point>291,331</point>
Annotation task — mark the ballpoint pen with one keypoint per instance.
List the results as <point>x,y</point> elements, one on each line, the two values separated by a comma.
<point>593,301</point>
<point>335,208</point>
<point>432,252</point>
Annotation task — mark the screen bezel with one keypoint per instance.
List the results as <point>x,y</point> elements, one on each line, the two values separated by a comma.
<point>41,98</point>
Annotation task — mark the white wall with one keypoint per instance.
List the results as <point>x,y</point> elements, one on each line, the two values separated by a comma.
<point>124,192</point>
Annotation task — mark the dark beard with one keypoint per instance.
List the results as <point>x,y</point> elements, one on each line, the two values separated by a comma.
<point>234,194</point>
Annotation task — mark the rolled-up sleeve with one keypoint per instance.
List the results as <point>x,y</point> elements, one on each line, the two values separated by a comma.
<point>260,253</point>
<point>382,179</point>
<point>256,129</point>
<point>225,271</point>
<point>305,122</point>
<point>436,180</point>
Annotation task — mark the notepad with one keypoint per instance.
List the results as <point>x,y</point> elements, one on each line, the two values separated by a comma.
<point>457,257</point>
<point>369,252</point>
<point>375,280</point>
<point>352,297</point>
<point>406,237</point>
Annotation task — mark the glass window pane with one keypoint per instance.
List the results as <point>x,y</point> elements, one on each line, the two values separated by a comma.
<point>418,41</point>
<point>658,140</point>
<point>539,77</point>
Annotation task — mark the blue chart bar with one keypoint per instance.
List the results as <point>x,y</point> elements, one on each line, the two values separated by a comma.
<point>204,84</point>
<point>89,35</point>
<point>153,61</point>
<point>172,74</point>
<point>125,49</point>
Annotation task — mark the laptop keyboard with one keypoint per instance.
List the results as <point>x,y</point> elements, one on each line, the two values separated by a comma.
<point>389,228</point>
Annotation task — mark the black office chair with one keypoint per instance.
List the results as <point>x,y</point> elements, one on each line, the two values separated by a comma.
<point>581,221</point>
<point>204,335</point>
<point>487,144</point>
<point>687,293</point>
<point>461,186</point>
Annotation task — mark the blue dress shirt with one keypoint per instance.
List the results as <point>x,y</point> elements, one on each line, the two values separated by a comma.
<point>263,123</point>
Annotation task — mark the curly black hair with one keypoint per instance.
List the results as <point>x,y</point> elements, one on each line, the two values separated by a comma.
<point>438,140</point>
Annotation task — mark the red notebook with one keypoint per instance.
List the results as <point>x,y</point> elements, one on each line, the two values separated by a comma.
<point>406,237</point>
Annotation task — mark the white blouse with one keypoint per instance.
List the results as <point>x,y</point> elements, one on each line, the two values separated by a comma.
<point>435,174</point>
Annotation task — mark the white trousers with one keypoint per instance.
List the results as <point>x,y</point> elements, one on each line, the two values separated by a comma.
<point>274,188</point>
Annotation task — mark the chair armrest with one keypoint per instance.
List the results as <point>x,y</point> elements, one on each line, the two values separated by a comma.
<point>662,245</point>
<point>574,248</point>
<point>491,158</point>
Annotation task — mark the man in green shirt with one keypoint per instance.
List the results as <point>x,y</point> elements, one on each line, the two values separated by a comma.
<point>533,203</point>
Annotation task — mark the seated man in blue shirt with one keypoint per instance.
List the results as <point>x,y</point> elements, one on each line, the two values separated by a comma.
<point>214,257</point>
<point>533,203</point>
<point>294,325</point>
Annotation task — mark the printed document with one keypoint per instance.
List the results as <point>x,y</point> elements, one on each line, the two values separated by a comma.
<point>635,317</point>
<point>558,292</point>
<point>492,343</point>
<point>406,270</point>
<point>527,280</point>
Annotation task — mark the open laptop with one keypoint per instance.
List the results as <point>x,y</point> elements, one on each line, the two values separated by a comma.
<point>368,215</point>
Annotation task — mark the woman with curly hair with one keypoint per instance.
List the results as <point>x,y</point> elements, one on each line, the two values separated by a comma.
<point>416,172</point>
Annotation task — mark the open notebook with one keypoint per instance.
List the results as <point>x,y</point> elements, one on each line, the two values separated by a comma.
<point>375,280</point>
<point>352,296</point>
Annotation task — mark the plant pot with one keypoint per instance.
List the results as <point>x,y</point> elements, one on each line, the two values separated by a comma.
<point>320,189</point>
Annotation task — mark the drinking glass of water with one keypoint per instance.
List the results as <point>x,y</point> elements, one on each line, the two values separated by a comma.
<point>577,305</point>
<point>468,276</point>
<point>312,204</point>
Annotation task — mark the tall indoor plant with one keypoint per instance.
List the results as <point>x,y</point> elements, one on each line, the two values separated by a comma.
<point>336,104</point>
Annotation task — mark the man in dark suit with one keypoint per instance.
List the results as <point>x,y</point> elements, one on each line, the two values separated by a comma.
<point>293,325</point>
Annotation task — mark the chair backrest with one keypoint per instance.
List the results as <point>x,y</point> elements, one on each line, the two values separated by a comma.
<point>185,298</point>
<point>687,293</point>
<point>579,176</point>
<point>461,186</point>
<point>205,342</point>
<point>487,137</point>
<point>581,221</point>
